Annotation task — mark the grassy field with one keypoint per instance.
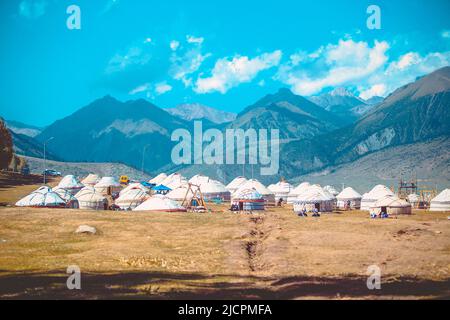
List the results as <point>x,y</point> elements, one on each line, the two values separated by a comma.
<point>220,255</point>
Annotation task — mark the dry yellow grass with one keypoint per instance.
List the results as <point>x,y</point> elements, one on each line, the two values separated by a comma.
<point>222,255</point>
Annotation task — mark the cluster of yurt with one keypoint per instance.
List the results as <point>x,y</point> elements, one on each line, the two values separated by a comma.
<point>313,198</point>
<point>378,192</point>
<point>392,205</point>
<point>268,196</point>
<point>441,202</point>
<point>248,200</point>
<point>90,199</point>
<point>348,198</point>
<point>281,190</point>
<point>132,196</point>
<point>43,197</point>
<point>294,193</point>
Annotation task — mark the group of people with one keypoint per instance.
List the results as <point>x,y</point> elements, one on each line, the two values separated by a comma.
<point>381,215</point>
<point>315,213</point>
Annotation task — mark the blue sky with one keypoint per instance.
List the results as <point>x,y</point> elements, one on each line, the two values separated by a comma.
<point>225,54</point>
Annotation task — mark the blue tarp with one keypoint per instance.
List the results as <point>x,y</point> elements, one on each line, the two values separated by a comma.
<point>161,187</point>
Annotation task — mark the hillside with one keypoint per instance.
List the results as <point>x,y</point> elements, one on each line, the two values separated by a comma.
<point>82,169</point>
<point>196,111</point>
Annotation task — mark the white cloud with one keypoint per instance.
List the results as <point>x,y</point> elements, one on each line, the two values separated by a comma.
<point>133,56</point>
<point>375,90</point>
<point>32,9</point>
<point>174,44</point>
<point>445,34</point>
<point>162,87</point>
<point>186,60</point>
<point>148,40</point>
<point>227,73</point>
<point>141,88</point>
<point>192,39</point>
<point>332,65</point>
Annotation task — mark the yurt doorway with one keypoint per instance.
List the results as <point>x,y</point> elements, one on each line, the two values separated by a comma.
<point>241,206</point>
<point>317,206</point>
<point>384,209</point>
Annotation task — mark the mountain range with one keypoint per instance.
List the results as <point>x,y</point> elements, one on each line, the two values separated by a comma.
<point>318,133</point>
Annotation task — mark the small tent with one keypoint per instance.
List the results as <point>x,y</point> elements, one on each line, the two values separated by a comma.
<point>131,198</point>
<point>293,194</point>
<point>349,199</point>
<point>91,180</point>
<point>248,200</point>
<point>135,185</point>
<point>214,190</point>
<point>161,189</point>
<point>43,197</point>
<point>70,183</point>
<point>281,190</point>
<point>235,184</point>
<point>267,195</point>
<point>108,186</point>
<point>68,197</point>
<point>314,197</point>
<point>441,202</point>
<point>378,192</point>
<point>179,194</point>
<point>160,203</point>
<point>392,205</point>
<point>89,199</point>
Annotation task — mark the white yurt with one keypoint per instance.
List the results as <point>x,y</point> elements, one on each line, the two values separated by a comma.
<point>135,185</point>
<point>248,200</point>
<point>180,193</point>
<point>131,198</point>
<point>392,205</point>
<point>331,190</point>
<point>414,199</point>
<point>70,183</point>
<point>349,198</point>
<point>160,203</point>
<point>235,184</point>
<point>89,199</point>
<point>314,197</point>
<point>91,180</point>
<point>214,190</point>
<point>281,190</point>
<point>43,197</point>
<point>199,179</point>
<point>268,195</point>
<point>108,186</point>
<point>158,179</point>
<point>378,192</point>
<point>68,197</point>
<point>293,194</point>
<point>441,202</point>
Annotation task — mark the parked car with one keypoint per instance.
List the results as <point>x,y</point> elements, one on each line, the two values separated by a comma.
<point>53,173</point>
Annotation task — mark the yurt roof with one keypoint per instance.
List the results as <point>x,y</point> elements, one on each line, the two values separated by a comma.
<point>391,201</point>
<point>236,183</point>
<point>180,193</point>
<point>444,196</point>
<point>132,186</point>
<point>159,203</point>
<point>63,193</point>
<point>300,188</point>
<point>281,187</point>
<point>70,181</point>
<point>91,179</point>
<point>89,194</point>
<point>108,182</point>
<point>159,178</point>
<point>213,186</point>
<point>174,181</point>
<point>378,192</point>
<point>313,195</point>
<point>348,193</point>
<point>199,179</point>
<point>255,184</point>
<point>132,194</point>
<point>248,194</point>
<point>43,196</point>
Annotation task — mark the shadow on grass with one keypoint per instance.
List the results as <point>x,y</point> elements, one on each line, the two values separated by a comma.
<point>155,285</point>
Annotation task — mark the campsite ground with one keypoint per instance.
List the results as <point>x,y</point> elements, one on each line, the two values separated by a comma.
<point>221,255</point>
